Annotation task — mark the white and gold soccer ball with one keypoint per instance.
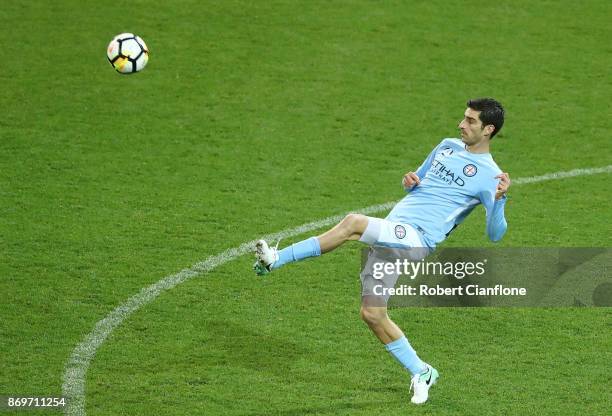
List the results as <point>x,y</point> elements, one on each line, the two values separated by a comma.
<point>127,53</point>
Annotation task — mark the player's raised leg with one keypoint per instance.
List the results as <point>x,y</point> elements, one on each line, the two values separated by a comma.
<point>351,227</point>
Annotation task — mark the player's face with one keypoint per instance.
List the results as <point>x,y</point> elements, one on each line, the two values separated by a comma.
<point>472,130</point>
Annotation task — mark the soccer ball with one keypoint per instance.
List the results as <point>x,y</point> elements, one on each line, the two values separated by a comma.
<point>127,53</point>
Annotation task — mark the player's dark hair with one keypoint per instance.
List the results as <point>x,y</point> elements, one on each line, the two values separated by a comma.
<point>491,112</point>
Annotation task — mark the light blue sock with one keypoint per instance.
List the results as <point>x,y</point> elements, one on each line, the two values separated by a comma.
<point>298,251</point>
<point>406,355</point>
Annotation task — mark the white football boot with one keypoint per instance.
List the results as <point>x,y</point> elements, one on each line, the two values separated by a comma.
<point>266,257</point>
<point>421,383</point>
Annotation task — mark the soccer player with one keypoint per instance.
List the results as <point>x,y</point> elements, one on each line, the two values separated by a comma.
<point>457,176</point>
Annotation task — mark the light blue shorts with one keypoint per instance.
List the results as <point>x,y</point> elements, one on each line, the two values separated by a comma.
<point>389,241</point>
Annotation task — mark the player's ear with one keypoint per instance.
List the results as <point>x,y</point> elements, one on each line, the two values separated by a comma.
<point>489,129</point>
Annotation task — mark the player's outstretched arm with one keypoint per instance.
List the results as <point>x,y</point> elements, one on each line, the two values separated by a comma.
<point>496,220</point>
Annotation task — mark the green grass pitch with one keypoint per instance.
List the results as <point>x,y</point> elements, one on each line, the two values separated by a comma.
<point>257,116</point>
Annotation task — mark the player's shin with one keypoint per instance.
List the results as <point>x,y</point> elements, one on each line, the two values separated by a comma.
<point>298,251</point>
<point>406,355</point>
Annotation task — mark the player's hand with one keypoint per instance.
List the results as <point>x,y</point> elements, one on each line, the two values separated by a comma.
<point>411,179</point>
<point>503,185</point>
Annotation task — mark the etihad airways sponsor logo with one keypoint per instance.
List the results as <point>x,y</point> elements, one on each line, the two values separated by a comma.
<point>444,173</point>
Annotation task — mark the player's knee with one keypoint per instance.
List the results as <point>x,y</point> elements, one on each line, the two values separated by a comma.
<point>355,224</point>
<point>373,316</point>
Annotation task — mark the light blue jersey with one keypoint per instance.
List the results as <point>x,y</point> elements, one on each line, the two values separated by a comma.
<point>453,182</point>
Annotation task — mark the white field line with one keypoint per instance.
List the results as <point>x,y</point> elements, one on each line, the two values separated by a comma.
<point>73,387</point>
<point>562,175</point>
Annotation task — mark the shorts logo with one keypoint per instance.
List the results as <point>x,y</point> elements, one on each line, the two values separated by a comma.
<point>400,231</point>
<point>470,170</point>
